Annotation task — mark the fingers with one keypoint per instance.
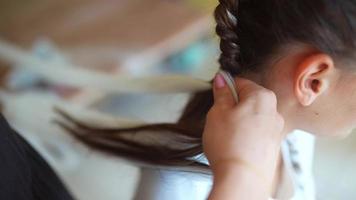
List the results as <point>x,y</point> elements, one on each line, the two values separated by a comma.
<point>246,87</point>
<point>222,94</point>
<point>248,91</point>
<point>251,91</point>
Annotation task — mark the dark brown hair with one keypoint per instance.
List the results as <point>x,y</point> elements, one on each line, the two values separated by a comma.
<point>251,32</point>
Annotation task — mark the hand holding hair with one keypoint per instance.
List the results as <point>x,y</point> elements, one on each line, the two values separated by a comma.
<point>242,141</point>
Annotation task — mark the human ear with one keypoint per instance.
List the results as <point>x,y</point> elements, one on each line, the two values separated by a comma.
<point>311,77</point>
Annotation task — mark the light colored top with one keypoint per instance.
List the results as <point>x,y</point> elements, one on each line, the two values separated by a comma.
<point>296,178</point>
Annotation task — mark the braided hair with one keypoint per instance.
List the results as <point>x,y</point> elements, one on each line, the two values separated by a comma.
<point>226,28</point>
<point>252,33</point>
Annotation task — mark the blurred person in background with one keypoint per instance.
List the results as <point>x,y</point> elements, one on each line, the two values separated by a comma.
<point>24,174</point>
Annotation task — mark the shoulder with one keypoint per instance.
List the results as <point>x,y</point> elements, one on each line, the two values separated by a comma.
<point>298,148</point>
<point>24,173</point>
<point>298,156</point>
<point>13,170</point>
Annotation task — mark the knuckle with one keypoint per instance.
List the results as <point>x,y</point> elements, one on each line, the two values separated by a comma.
<point>266,95</point>
<point>280,117</point>
<point>259,92</point>
<point>280,120</point>
<point>271,94</point>
<point>272,97</point>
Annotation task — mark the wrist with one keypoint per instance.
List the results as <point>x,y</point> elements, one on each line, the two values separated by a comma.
<point>234,179</point>
<point>230,170</point>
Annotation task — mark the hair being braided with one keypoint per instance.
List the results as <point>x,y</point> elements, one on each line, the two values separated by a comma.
<point>252,33</point>
<point>226,28</point>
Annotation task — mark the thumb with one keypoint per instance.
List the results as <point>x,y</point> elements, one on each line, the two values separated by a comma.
<point>222,94</point>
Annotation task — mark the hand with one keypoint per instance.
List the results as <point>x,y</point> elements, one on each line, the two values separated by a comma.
<point>250,131</point>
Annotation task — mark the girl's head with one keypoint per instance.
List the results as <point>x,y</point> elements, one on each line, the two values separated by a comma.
<point>305,51</point>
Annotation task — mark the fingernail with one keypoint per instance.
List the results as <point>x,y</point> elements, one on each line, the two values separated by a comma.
<point>219,81</point>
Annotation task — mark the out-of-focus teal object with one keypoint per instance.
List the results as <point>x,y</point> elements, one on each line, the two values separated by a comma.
<point>188,59</point>
<point>192,57</point>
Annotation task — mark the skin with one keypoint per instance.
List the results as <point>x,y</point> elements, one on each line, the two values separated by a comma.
<point>250,156</point>
<point>314,92</point>
<point>302,88</point>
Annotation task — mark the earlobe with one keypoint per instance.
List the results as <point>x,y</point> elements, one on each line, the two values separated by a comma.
<point>311,77</point>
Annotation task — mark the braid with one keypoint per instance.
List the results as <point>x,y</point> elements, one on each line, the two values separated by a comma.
<point>226,28</point>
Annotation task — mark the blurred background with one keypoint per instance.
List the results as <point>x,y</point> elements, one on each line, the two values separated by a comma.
<point>110,61</point>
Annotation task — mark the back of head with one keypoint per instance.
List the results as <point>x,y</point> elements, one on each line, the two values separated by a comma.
<point>253,31</point>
